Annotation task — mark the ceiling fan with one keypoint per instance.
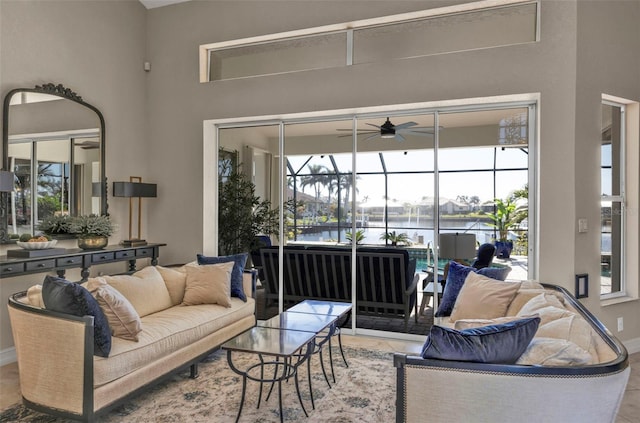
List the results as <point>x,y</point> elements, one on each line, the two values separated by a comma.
<point>389,130</point>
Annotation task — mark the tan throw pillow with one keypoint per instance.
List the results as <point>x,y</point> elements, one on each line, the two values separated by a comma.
<point>123,319</point>
<point>145,290</point>
<point>483,298</point>
<point>175,278</point>
<point>572,328</point>
<point>210,284</point>
<point>34,295</point>
<point>522,297</point>
<point>554,352</point>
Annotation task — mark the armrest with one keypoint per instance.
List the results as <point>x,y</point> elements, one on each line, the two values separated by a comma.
<point>54,350</point>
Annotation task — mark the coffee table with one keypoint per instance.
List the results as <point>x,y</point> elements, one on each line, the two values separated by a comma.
<point>306,322</point>
<point>337,309</point>
<point>288,349</point>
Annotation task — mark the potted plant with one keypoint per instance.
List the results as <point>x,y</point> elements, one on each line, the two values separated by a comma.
<point>242,215</point>
<point>56,226</point>
<point>360,236</point>
<point>395,239</point>
<point>507,216</point>
<point>93,231</point>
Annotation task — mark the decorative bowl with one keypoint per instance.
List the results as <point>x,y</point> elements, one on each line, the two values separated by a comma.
<point>36,245</point>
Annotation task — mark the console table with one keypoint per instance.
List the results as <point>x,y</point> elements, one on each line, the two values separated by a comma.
<point>76,257</point>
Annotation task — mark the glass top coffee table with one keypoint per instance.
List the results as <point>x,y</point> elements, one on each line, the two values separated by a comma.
<point>287,350</point>
<point>339,309</point>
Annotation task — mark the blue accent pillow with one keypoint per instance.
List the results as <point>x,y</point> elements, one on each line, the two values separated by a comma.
<point>499,273</point>
<point>497,344</point>
<point>239,260</point>
<point>455,279</point>
<point>456,276</point>
<point>71,298</point>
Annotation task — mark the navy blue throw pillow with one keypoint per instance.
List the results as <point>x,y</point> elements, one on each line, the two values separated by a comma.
<point>70,298</point>
<point>455,279</point>
<point>239,260</point>
<point>497,344</point>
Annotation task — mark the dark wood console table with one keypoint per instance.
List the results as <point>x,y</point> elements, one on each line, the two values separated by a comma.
<point>75,257</point>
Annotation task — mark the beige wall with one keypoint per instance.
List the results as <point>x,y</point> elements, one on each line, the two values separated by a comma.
<point>96,48</point>
<point>155,120</point>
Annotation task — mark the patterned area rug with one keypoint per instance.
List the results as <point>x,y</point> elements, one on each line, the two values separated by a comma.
<point>363,392</point>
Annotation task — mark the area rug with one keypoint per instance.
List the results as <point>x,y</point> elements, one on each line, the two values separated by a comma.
<point>363,392</point>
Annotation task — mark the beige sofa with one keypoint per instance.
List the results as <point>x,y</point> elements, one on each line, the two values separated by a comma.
<point>573,370</point>
<point>59,373</point>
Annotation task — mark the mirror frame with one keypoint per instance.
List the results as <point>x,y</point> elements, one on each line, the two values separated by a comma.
<point>61,91</point>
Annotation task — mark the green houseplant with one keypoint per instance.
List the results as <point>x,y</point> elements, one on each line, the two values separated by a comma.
<point>93,231</point>
<point>56,226</point>
<point>395,238</point>
<point>507,216</point>
<point>242,215</point>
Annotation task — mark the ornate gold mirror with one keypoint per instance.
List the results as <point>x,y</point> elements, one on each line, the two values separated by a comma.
<point>54,142</point>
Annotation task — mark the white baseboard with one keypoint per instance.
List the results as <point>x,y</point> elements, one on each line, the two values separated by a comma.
<point>632,345</point>
<point>8,356</point>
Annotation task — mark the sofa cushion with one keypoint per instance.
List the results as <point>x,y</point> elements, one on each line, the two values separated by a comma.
<point>554,352</point>
<point>145,290</point>
<point>68,297</point>
<point>168,331</point>
<point>210,284</point>
<point>540,301</point>
<point>483,298</point>
<point>175,279</point>
<point>498,344</point>
<point>239,260</point>
<point>572,328</point>
<point>123,318</point>
<point>456,276</point>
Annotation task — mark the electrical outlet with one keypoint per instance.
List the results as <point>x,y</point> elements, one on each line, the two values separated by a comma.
<point>620,324</point>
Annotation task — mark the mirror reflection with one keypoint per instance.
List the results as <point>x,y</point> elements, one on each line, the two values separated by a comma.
<point>54,145</point>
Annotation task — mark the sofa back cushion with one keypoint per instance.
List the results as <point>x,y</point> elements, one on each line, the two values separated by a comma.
<point>175,278</point>
<point>145,290</point>
<point>483,298</point>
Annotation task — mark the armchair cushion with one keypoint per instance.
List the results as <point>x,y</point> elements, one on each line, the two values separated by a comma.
<point>498,344</point>
<point>68,297</point>
<point>239,261</point>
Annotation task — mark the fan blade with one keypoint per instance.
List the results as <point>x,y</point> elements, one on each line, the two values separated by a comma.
<point>404,125</point>
<point>400,137</point>
<point>370,137</point>
<point>359,133</point>
<point>412,132</point>
<point>375,126</point>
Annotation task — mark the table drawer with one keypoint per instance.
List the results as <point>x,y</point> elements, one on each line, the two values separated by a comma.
<point>10,269</point>
<point>69,261</point>
<point>144,252</point>
<point>40,265</point>
<point>125,254</point>
<point>102,257</point>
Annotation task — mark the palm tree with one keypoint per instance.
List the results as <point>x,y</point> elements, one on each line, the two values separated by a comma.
<point>317,178</point>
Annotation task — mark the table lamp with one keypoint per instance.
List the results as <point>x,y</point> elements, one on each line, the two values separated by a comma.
<point>457,247</point>
<point>134,189</point>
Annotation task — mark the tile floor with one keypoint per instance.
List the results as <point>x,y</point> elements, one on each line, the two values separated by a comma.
<point>629,410</point>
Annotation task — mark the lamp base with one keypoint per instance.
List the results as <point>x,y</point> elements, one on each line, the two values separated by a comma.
<point>133,242</point>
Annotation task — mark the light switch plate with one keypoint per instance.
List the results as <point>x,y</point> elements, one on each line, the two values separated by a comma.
<point>582,225</point>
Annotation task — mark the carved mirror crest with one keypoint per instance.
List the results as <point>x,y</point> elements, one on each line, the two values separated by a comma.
<point>54,142</point>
